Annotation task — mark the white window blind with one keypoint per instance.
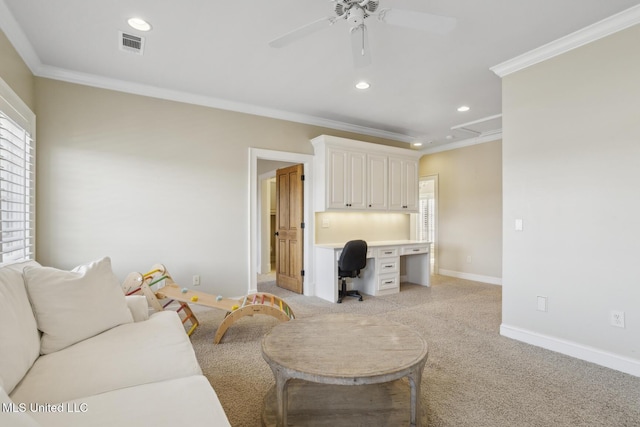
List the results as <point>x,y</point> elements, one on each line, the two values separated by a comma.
<point>17,191</point>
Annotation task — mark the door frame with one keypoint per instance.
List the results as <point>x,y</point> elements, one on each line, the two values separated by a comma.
<point>254,204</point>
<point>415,224</point>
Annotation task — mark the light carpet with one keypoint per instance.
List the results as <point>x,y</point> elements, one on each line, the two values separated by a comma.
<point>473,376</point>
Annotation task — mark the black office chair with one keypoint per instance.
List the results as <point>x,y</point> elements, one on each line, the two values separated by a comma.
<point>352,259</point>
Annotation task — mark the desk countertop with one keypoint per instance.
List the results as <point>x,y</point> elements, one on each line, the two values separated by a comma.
<point>374,244</point>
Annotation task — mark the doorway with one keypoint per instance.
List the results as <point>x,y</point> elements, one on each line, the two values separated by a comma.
<point>256,201</point>
<point>428,216</point>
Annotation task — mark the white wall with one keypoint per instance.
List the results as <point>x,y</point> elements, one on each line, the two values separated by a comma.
<point>571,155</point>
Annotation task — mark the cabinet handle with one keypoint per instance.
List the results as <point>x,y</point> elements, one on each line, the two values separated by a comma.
<point>416,250</point>
<point>388,266</point>
<point>388,282</point>
<point>388,252</point>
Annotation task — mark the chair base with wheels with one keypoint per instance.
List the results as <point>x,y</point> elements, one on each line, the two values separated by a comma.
<point>342,293</point>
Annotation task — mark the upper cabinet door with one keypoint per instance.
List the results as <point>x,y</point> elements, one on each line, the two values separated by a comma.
<point>336,191</point>
<point>347,179</point>
<point>403,184</point>
<point>377,189</point>
<point>411,179</point>
<point>357,184</point>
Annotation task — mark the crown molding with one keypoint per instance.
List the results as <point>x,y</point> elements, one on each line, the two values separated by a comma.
<point>601,29</point>
<point>17,38</point>
<point>480,139</point>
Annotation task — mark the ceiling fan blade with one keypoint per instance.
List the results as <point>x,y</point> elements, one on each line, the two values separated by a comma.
<point>418,20</point>
<point>360,46</point>
<point>301,32</point>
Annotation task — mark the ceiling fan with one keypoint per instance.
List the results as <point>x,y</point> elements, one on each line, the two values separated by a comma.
<point>355,12</point>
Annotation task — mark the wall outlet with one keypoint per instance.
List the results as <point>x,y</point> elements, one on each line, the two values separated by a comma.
<point>542,303</point>
<point>519,225</point>
<point>326,223</point>
<point>617,318</point>
<point>196,280</point>
<point>469,259</point>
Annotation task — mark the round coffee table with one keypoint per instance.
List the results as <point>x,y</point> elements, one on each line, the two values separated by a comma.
<point>344,349</point>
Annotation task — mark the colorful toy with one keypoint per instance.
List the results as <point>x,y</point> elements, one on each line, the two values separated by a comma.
<point>171,292</point>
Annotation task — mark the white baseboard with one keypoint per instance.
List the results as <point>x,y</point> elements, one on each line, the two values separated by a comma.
<point>569,348</point>
<point>468,276</point>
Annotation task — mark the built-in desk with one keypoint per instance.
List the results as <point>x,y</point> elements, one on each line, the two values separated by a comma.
<point>381,276</point>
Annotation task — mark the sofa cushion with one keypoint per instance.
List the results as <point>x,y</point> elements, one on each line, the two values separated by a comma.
<point>19,336</point>
<point>71,306</point>
<point>186,401</point>
<point>12,414</point>
<point>131,354</point>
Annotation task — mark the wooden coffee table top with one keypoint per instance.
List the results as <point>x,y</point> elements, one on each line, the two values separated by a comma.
<point>344,349</point>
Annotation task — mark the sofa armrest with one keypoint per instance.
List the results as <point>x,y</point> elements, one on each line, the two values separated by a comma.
<point>138,307</point>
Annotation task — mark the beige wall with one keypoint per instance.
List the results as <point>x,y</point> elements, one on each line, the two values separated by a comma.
<point>469,210</point>
<point>15,72</point>
<point>145,180</point>
<point>571,154</point>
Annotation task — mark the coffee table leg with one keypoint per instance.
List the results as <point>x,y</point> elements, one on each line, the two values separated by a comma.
<point>282,399</point>
<point>415,379</point>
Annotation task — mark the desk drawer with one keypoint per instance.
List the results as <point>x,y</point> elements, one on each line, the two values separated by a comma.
<point>411,250</point>
<point>389,265</point>
<point>387,252</point>
<point>391,281</point>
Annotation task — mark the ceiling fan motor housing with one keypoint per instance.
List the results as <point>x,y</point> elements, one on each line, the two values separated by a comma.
<point>355,11</point>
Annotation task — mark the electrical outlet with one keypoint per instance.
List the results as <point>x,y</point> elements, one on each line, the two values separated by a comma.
<point>469,259</point>
<point>542,303</point>
<point>196,280</point>
<point>617,318</point>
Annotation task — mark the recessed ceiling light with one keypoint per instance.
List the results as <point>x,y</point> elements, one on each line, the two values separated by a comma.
<point>417,144</point>
<point>139,24</point>
<point>463,108</point>
<point>363,85</point>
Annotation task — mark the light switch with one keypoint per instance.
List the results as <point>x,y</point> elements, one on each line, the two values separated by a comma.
<point>518,224</point>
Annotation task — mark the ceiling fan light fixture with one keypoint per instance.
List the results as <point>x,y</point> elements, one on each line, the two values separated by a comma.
<point>362,85</point>
<point>463,108</point>
<point>139,24</point>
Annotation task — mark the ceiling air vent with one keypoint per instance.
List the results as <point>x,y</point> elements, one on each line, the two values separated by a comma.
<point>131,43</point>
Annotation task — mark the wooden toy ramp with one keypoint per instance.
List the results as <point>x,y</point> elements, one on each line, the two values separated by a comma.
<point>258,303</point>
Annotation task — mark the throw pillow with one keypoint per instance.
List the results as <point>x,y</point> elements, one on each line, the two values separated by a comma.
<point>71,306</point>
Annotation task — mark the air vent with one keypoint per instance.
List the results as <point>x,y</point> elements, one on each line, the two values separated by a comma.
<point>131,43</point>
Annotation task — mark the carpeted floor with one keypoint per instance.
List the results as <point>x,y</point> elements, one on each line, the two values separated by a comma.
<point>473,377</point>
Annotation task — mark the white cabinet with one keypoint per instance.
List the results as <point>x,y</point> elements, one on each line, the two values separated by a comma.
<point>403,184</point>
<point>360,176</point>
<point>378,181</point>
<point>346,179</point>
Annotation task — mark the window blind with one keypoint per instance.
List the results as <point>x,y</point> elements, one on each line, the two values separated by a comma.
<point>17,191</point>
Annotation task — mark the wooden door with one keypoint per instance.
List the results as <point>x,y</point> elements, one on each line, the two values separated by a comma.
<point>289,228</point>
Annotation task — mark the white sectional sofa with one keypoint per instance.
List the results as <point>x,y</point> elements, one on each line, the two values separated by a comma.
<point>74,351</point>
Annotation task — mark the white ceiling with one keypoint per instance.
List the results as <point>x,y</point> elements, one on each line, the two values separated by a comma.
<point>215,53</point>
